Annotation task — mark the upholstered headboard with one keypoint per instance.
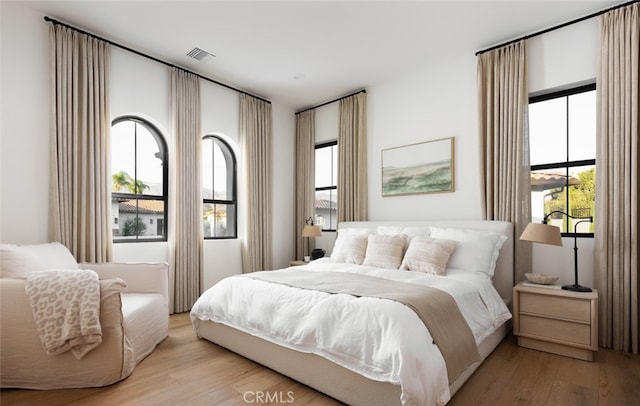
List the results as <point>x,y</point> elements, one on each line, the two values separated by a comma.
<point>503,276</point>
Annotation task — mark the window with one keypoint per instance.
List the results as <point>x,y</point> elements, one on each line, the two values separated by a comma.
<point>218,189</point>
<point>562,137</point>
<point>327,185</point>
<point>139,180</point>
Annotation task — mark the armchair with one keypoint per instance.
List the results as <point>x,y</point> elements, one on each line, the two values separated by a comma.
<point>133,321</point>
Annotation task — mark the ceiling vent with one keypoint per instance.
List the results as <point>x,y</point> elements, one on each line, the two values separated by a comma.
<point>200,55</point>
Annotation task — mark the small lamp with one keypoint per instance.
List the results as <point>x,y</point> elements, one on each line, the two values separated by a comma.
<point>310,230</point>
<point>548,234</point>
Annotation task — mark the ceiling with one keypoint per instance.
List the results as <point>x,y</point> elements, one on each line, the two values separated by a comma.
<point>303,53</point>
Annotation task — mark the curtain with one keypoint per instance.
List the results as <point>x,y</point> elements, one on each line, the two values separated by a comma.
<point>352,159</point>
<point>305,178</point>
<point>256,146</point>
<point>80,184</point>
<point>505,179</point>
<point>185,196</point>
<point>617,233</point>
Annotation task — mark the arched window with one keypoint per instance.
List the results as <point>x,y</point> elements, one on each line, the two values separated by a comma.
<point>139,172</point>
<point>218,188</point>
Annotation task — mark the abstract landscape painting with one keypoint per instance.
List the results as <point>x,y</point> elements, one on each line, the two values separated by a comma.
<point>426,167</point>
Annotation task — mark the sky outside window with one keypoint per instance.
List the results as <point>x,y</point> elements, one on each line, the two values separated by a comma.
<point>212,157</point>
<point>123,152</point>
<point>548,129</point>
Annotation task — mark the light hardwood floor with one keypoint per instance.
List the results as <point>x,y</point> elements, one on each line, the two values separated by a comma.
<point>184,370</point>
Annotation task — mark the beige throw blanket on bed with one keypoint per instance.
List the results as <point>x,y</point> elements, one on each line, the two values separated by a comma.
<point>66,309</point>
<point>436,308</point>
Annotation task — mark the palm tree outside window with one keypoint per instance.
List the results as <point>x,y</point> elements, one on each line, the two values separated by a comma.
<point>139,174</point>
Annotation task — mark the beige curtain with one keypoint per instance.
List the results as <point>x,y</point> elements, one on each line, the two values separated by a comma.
<point>505,179</point>
<point>256,146</point>
<point>80,184</point>
<point>352,159</point>
<point>185,197</point>
<point>617,233</point>
<point>305,178</point>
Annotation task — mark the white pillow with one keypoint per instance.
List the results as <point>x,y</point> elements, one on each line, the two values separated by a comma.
<point>52,255</point>
<point>408,231</point>
<point>385,251</point>
<point>429,255</point>
<point>16,263</point>
<point>477,251</point>
<point>356,231</point>
<point>389,230</point>
<point>349,248</point>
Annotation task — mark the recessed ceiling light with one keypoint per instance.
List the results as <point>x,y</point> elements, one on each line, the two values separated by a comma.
<point>200,55</point>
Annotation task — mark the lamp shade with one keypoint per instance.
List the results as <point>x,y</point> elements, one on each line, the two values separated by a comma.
<point>311,231</point>
<point>542,233</point>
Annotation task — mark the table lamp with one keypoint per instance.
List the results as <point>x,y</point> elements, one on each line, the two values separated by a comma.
<point>547,234</point>
<point>310,230</point>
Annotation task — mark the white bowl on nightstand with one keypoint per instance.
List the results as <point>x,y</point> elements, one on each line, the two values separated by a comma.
<point>541,279</point>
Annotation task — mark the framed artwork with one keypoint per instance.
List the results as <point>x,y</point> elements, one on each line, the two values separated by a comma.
<point>426,167</point>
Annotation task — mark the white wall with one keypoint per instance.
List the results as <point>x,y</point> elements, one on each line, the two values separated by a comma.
<point>436,103</point>
<point>283,187</point>
<point>24,189</point>
<point>138,86</point>
<point>564,57</point>
<point>327,123</point>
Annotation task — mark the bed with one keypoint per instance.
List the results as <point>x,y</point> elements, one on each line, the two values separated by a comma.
<point>364,349</point>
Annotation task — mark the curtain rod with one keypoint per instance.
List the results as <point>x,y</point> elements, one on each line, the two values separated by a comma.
<point>331,101</point>
<point>546,30</point>
<point>126,48</point>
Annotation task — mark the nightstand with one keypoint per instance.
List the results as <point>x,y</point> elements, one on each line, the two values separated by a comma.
<point>554,320</point>
<point>297,263</point>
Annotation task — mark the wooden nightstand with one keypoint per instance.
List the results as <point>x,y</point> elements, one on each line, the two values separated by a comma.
<point>297,263</point>
<point>554,320</point>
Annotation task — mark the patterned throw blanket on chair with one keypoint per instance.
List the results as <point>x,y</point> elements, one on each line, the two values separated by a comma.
<point>66,309</point>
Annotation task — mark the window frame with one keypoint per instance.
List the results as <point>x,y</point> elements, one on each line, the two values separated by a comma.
<point>164,151</point>
<point>567,164</point>
<point>324,188</point>
<point>234,201</point>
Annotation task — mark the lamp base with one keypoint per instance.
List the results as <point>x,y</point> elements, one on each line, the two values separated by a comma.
<point>576,288</point>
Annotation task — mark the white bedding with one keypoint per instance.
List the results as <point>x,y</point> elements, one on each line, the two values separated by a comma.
<point>379,339</point>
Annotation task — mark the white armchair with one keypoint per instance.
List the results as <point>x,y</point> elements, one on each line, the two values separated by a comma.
<point>133,321</point>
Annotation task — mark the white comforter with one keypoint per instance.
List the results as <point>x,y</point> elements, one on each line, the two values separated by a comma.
<point>379,339</point>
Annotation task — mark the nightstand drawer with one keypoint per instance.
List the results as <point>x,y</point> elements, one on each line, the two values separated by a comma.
<point>555,320</point>
<point>556,329</point>
<point>559,307</point>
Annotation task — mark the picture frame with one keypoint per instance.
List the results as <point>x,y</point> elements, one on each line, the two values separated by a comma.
<point>424,167</point>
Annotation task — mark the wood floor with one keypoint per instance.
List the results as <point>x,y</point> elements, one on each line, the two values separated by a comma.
<point>184,370</point>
